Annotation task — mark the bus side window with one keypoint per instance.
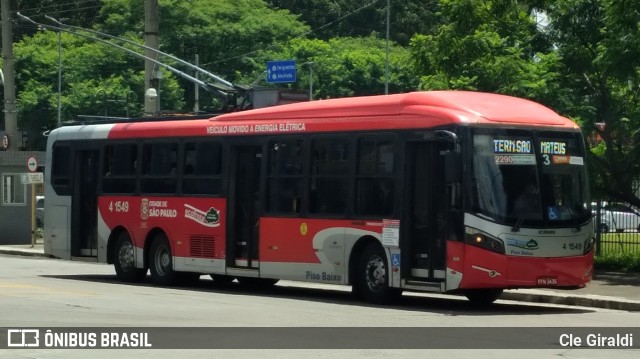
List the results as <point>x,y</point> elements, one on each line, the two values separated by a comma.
<point>159,167</point>
<point>118,168</point>
<point>375,182</point>
<point>61,169</point>
<point>202,168</point>
<point>329,175</point>
<point>284,185</point>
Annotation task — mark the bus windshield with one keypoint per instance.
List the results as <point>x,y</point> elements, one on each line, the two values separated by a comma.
<point>533,178</point>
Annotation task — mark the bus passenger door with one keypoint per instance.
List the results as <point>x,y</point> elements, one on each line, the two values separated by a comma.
<point>84,206</point>
<point>425,211</point>
<point>244,197</point>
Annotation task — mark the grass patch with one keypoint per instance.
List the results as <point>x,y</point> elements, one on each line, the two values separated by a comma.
<point>619,252</point>
<point>622,261</point>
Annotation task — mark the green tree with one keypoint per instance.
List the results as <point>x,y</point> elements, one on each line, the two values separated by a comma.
<point>361,18</point>
<point>350,66</point>
<point>599,43</point>
<point>74,12</point>
<point>493,46</point>
<point>226,34</point>
<point>97,81</point>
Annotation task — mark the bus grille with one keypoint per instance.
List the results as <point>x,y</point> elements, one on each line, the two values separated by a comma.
<point>202,246</point>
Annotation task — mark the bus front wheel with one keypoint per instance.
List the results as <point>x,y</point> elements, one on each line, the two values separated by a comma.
<point>161,262</point>
<point>124,261</point>
<point>483,297</point>
<point>372,277</point>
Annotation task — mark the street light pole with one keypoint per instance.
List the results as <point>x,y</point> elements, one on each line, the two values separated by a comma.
<point>59,68</point>
<point>310,64</point>
<point>104,100</point>
<point>126,105</point>
<point>59,77</point>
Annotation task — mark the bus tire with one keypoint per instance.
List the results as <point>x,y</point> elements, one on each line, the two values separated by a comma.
<point>161,262</point>
<point>372,279</point>
<point>483,297</point>
<point>124,261</point>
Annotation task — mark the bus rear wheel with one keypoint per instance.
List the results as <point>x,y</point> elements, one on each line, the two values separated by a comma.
<point>124,261</point>
<point>372,277</point>
<point>482,297</point>
<point>161,262</point>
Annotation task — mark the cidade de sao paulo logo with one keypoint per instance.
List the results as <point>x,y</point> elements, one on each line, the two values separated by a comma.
<point>151,209</point>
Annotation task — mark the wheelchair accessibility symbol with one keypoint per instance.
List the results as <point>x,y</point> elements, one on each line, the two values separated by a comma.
<point>553,214</point>
<point>395,259</point>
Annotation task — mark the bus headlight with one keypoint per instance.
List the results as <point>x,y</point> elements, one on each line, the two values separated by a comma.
<point>588,245</point>
<point>483,240</point>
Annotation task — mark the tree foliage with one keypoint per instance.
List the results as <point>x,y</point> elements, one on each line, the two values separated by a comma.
<point>226,34</point>
<point>362,18</point>
<point>493,46</point>
<point>96,80</point>
<point>74,12</point>
<point>101,80</point>
<point>599,43</point>
<point>351,66</point>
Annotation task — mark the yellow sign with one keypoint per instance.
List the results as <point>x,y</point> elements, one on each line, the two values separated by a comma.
<point>303,229</point>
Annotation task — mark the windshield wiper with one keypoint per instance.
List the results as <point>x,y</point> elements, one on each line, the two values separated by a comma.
<point>516,227</point>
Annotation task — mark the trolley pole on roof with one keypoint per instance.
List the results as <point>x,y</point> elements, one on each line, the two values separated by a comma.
<point>196,90</point>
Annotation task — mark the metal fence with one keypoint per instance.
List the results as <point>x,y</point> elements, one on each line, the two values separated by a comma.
<point>618,227</point>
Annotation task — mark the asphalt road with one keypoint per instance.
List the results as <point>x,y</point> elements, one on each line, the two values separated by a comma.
<point>48,293</point>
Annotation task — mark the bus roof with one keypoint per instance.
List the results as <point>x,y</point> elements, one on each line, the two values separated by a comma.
<point>415,110</point>
<point>458,106</point>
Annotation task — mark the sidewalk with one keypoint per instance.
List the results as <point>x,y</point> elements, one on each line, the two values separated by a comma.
<point>609,290</point>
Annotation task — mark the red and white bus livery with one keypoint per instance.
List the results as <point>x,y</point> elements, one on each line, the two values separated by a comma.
<point>444,191</point>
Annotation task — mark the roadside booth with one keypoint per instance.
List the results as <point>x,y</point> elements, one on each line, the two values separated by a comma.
<point>21,176</point>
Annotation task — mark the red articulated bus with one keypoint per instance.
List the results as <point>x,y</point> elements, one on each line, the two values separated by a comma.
<point>443,191</point>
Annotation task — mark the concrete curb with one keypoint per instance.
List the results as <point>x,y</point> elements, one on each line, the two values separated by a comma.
<point>23,252</point>
<point>593,301</point>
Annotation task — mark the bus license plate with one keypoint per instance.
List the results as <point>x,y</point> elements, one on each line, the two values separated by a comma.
<point>547,281</point>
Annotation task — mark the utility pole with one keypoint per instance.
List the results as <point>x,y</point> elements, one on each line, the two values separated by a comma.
<point>10,113</point>
<point>151,39</point>
<point>386,66</point>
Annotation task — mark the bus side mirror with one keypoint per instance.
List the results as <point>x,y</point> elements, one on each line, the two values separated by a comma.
<point>452,167</point>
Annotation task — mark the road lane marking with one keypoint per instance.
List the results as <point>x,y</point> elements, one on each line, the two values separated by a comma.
<point>22,288</point>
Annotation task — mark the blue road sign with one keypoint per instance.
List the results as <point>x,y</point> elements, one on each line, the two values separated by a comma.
<point>281,71</point>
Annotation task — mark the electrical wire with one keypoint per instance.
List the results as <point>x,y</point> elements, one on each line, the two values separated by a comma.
<point>299,36</point>
<point>74,4</point>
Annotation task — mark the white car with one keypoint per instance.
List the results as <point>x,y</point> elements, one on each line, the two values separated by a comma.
<point>618,217</point>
